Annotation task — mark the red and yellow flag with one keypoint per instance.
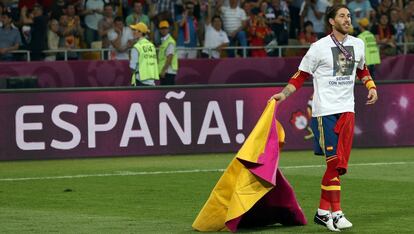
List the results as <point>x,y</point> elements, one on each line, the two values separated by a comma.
<point>253,191</point>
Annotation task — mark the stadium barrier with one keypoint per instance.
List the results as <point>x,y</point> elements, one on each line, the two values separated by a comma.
<point>192,71</point>
<point>69,123</point>
<point>293,49</point>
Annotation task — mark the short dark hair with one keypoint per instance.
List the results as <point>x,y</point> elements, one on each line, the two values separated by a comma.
<point>216,17</point>
<point>255,11</point>
<point>219,18</point>
<point>119,19</point>
<point>8,14</point>
<point>331,12</point>
<point>67,5</point>
<point>108,4</point>
<point>38,6</point>
<point>308,23</point>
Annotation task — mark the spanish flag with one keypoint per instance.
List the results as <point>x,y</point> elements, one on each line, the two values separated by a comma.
<point>253,192</point>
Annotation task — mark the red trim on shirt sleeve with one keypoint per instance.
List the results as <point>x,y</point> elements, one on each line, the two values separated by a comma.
<point>361,73</point>
<point>299,78</point>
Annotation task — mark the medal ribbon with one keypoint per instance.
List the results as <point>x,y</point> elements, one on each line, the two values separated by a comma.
<point>342,48</point>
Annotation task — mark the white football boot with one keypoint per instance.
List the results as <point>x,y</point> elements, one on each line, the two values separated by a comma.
<point>326,221</point>
<point>341,222</point>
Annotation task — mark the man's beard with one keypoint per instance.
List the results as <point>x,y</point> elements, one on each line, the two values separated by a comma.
<point>341,29</point>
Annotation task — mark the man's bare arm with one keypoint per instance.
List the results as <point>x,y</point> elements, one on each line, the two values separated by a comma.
<point>295,82</point>
<point>286,92</point>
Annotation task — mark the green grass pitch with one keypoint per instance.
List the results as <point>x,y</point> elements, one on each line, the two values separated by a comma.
<point>163,194</point>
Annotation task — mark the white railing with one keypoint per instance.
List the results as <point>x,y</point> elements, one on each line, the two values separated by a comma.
<point>104,53</point>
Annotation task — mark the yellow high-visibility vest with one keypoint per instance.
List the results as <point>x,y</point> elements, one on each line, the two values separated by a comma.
<point>162,58</point>
<point>372,54</point>
<point>147,66</point>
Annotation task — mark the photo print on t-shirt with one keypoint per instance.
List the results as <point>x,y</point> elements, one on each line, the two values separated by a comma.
<point>342,66</point>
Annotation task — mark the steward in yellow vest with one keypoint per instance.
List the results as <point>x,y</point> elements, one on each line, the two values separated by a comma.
<point>372,53</point>
<point>143,61</point>
<point>167,55</point>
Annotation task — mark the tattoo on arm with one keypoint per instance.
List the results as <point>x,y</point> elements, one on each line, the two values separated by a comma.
<point>288,90</point>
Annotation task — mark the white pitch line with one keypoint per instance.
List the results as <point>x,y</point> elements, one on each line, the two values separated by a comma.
<point>356,164</point>
<point>131,173</point>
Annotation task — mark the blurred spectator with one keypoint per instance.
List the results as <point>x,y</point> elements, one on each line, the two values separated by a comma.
<point>47,5</point>
<point>150,8</point>
<point>263,8</point>
<point>167,55</point>
<point>57,9</point>
<point>204,4</point>
<point>399,26</point>
<point>126,6</point>
<point>2,9</point>
<point>187,32</point>
<point>38,31</point>
<point>384,7</point>
<point>29,4</point>
<point>384,33</point>
<point>70,33</point>
<point>121,39</point>
<point>165,6</point>
<point>294,9</point>
<point>105,24</point>
<point>374,5</point>
<point>409,23</point>
<point>234,22</point>
<point>69,9</point>
<point>258,31</point>
<point>116,7</point>
<point>372,55</point>
<point>137,15</point>
<point>10,3</point>
<point>72,17</point>
<point>307,36</point>
<point>253,3</point>
<point>360,9</point>
<point>53,39</point>
<point>247,6</point>
<point>10,39</point>
<point>408,12</point>
<point>278,18</point>
<point>215,39</point>
<point>200,12</point>
<point>314,11</point>
<point>93,11</point>
<point>192,20</point>
<point>11,6</point>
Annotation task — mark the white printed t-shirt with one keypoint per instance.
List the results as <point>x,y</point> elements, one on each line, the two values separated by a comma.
<point>333,75</point>
<point>213,39</point>
<point>126,36</point>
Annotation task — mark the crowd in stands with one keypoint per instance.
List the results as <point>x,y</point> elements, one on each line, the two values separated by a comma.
<point>39,25</point>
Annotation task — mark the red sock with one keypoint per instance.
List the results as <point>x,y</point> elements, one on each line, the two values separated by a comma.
<point>335,200</point>
<point>324,203</point>
<point>331,186</point>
